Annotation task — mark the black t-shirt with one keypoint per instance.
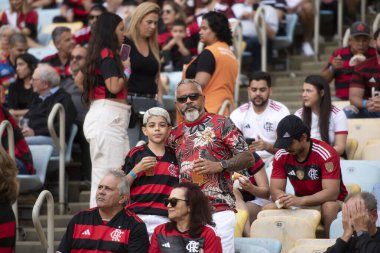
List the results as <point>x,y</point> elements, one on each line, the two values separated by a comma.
<point>144,71</point>
<point>19,98</point>
<point>205,62</point>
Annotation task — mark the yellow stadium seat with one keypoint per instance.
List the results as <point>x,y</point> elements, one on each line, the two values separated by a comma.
<point>363,130</point>
<point>353,188</point>
<point>308,249</point>
<point>371,150</point>
<point>312,216</point>
<point>341,104</point>
<point>315,242</point>
<point>286,229</point>
<point>351,148</point>
<point>241,219</point>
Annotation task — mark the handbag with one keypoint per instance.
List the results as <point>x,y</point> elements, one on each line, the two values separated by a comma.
<point>139,105</point>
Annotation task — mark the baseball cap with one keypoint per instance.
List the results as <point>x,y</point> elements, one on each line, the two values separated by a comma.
<point>359,28</point>
<point>156,111</point>
<point>288,128</point>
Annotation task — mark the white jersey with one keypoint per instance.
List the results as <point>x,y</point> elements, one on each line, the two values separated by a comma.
<point>338,124</point>
<point>264,124</point>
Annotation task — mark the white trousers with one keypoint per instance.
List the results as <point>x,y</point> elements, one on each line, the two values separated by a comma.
<point>225,227</point>
<point>152,221</point>
<point>105,128</point>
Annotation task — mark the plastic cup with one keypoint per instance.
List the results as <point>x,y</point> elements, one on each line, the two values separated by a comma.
<point>150,172</point>
<point>197,178</point>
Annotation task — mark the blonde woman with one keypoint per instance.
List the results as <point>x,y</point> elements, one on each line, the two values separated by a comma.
<point>8,195</point>
<point>144,87</point>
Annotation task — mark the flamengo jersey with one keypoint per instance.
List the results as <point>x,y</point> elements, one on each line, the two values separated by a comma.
<point>164,241</point>
<point>264,125</point>
<point>88,233</point>
<point>338,124</point>
<point>148,192</point>
<point>306,177</point>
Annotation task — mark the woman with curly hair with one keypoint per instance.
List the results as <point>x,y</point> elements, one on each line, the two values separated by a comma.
<point>104,82</point>
<point>190,217</point>
<point>8,195</point>
<point>216,68</point>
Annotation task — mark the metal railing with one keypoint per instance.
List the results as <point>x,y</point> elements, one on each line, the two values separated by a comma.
<point>237,33</point>
<point>6,125</point>
<point>362,9</point>
<point>48,243</point>
<point>226,104</point>
<point>340,22</point>
<point>317,5</point>
<point>260,25</point>
<point>60,145</point>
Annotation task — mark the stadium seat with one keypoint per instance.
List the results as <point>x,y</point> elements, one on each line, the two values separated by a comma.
<point>286,229</point>
<point>371,150</point>
<point>351,148</point>
<point>309,249</point>
<point>69,145</point>
<point>41,155</point>
<point>42,52</point>
<point>314,242</point>
<point>271,245</point>
<point>312,216</point>
<point>336,229</point>
<point>241,219</point>
<point>363,130</point>
<point>351,188</point>
<point>363,173</point>
<point>249,249</point>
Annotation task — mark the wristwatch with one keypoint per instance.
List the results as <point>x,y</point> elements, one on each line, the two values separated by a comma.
<point>224,165</point>
<point>360,233</point>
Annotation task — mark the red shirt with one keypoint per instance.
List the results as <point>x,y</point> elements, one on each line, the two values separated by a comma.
<point>213,137</point>
<point>82,36</point>
<point>306,177</point>
<point>164,241</point>
<point>343,75</point>
<point>366,75</point>
<point>62,69</point>
<point>24,20</point>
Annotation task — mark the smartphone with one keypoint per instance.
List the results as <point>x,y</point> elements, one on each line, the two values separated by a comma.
<point>124,52</point>
<point>250,140</point>
<point>375,93</point>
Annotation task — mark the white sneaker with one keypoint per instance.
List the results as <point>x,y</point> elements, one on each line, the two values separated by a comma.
<point>307,49</point>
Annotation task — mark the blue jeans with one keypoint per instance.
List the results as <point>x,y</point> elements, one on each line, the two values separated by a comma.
<point>363,113</point>
<point>21,167</point>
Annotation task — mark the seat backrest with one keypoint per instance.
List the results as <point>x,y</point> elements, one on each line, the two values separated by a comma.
<point>371,150</point>
<point>4,5</point>
<point>46,18</point>
<point>351,147</point>
<point>308,249</point>
<point>241,219</point>
<point>313,216</point>
<point>70,142</point>
<point>249,249</point>
<point>271,245</point>
<point>323,242</point>
<point>41,155</point>
<point>283,228</point>
<point>364,173</point>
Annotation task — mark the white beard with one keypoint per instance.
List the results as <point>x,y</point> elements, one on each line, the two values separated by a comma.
<point>192,115</point>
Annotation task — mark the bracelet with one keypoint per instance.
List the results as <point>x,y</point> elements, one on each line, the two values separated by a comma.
<point>364,103</point>
<point>132,174</point>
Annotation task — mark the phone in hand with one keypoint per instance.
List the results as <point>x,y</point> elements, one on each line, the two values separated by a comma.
<point>375,93</point>
<point>124,52</point>
<point>250,140</point>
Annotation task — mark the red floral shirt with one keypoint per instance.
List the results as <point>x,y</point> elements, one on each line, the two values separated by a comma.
<point>213,137</point>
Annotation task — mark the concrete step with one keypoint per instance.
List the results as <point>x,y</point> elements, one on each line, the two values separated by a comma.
<point>287,97</point>
<point>288,81</point>
<point>59,221</point>
<point>317,66</point>
<point>84,196</point>
<point>25,211</point>
<point>32,247</point>
<point>31,234</point>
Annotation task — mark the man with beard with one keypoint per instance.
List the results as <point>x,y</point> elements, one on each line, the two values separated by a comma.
<point>313,169</point>
<point>258,119</point>
<point>364,91</point>
<point>208,148</point>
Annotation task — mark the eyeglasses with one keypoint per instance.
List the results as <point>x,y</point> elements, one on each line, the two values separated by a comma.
<point>77,57</point>
<point>173,201</point>
<point>193,97</point>
<point>166,11</point>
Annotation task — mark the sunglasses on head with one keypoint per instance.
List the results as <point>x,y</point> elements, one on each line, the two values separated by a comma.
<point>173,201</point>
<point>192,97</point>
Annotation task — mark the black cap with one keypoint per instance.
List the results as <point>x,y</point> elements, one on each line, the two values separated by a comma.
<point>288,128</point>
<point>359,28</point>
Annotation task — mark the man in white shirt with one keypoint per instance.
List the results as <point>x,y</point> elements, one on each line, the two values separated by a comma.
<point>259,117</point>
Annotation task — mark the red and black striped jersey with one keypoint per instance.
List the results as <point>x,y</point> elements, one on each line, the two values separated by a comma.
<point>366,75</point>
<point>148,192</point>
<point>164,241</point>
<point>7,228</point>
<point>62,69</point>
<point>306,177</point>
<point>88,233</point>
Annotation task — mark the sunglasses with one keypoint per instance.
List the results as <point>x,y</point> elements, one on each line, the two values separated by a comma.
<point>77,57</point>
<point>192,97</point>
<point>92,16</point>
<point>173,201</point>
